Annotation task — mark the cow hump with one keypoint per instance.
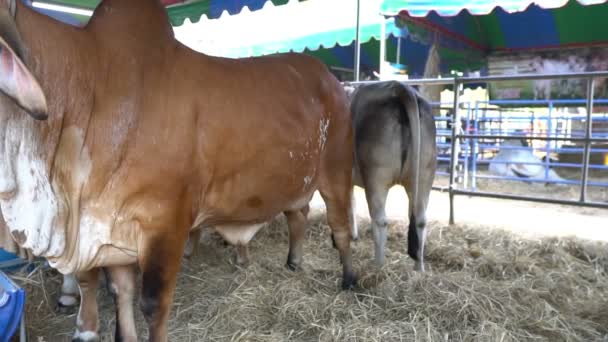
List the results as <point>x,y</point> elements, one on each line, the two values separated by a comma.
<point>142,19</point>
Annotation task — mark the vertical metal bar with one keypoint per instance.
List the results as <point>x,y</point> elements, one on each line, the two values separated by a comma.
<point>548,146</point>
<point>22,330</point>
<point>475,147</point>
<point>588,127</point>
<point>500,121</point>
<point>468,144</point>
<point>455,147</point>
<point>399,51</point>
<point>358,43</point>
<point>382,45</point>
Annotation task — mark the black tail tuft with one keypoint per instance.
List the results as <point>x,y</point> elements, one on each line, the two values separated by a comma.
<point>413,244</point>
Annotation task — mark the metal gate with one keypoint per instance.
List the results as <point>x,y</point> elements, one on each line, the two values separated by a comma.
<point>456,134</point>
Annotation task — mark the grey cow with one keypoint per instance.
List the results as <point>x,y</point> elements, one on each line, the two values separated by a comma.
<point>394,134</point>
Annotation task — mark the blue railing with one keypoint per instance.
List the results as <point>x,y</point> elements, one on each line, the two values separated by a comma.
<point>481,119</point>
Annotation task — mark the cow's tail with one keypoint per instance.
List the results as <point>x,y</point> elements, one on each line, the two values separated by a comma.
<point>409,99</point>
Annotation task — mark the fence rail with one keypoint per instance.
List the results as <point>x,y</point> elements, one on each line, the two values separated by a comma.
<point>455,134</point>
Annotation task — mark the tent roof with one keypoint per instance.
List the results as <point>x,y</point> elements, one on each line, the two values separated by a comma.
<point>286,28</point>
<point>179,10</point>
<point>464,38</point>
<point>574,24</point>
<point>448,8</point>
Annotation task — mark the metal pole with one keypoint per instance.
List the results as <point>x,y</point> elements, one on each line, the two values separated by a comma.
<point>468,80</point>
<point>518,137</point>
<point>398,50</point>
<point>382,44</point>
<point>469,148</point>
<point>548,146</point>
<point>22,329</point>
<point>358,44</point>
<point>455,147</point>
<point>588,127</point>
<point>475,146</point>
<point>531,199</point>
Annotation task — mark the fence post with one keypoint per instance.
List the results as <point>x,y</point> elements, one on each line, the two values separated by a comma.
<point>357,60</point>
<point>549,142</point>
<point>588,128</point>
<point>475,147</point>
<point>455,147</point>
<point>469,148</point>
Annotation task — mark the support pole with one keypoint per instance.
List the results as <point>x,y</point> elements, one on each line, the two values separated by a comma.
<point>548,147</point>
<point>382,44</point>
<point>588,128</point>
<point>22,328</point>
<point>455,147</point>
<point>358,43</point>
<point>399,50</point>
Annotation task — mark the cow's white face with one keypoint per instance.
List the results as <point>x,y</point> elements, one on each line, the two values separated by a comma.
<point>28,203</point>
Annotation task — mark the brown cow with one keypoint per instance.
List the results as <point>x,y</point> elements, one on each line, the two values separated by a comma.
<point>147,139</point>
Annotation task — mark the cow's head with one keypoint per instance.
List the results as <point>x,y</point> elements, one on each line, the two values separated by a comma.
<point>16,81</point>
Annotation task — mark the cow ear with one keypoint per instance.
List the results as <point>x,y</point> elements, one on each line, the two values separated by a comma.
<point>18,83</point>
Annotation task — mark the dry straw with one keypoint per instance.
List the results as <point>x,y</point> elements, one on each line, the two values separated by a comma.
<point>481,285</point>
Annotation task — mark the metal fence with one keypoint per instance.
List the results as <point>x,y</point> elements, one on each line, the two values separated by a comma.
<point>480,119</point>
<point>456,134</point>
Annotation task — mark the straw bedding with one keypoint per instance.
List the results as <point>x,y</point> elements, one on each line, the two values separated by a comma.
<point>481,285</point>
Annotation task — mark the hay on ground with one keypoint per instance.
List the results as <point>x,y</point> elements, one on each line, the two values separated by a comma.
<point>481,285</point>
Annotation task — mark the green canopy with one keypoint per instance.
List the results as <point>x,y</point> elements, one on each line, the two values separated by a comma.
<point>179,10</point>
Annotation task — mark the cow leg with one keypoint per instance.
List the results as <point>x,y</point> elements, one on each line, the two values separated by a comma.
<point>336,190</point>
<point>194,239</point>
<point>87,322</point>
<point>305,211</point>
<point>242,255</point>
<point>159,266</point>
<point>416,235</point>
<point>338,217</point>
<point>68,299</point>
<point>122,286</point>
<point>375,193</point>
<point>353,217</point>
<point>335,187</point>
<point>297,223</point>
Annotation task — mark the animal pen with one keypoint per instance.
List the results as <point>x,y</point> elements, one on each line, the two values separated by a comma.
<point>485,128</point>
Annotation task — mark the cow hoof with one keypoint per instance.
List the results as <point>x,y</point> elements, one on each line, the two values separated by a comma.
<point>292,266</point>
<point>86,336</point>
<point>65,310</point>
<point>188,251</point>
<point>349,281</point>
<point>242,263</point>
<point>67,304</point>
